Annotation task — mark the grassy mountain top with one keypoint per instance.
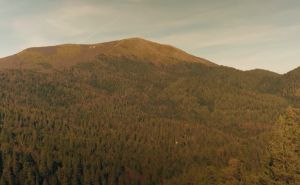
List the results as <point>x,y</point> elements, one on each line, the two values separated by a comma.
<point>62,56</point>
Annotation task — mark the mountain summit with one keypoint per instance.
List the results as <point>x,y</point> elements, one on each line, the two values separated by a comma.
<point>133,49</point>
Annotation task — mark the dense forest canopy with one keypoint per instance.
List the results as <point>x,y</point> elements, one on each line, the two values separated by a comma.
<point>137,112</point>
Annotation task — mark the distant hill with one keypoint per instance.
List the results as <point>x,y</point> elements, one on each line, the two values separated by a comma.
<point>135,112</point>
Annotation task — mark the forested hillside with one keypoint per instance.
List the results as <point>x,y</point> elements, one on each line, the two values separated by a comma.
<point>138,112</point>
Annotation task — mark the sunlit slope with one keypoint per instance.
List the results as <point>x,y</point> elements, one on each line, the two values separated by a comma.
<point>62,56</point>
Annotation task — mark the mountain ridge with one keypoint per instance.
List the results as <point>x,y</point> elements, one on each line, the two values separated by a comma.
<point>136,49</point>
<point>129,48</point>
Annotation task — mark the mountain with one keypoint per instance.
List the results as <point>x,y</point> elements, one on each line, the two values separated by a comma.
<point>135,49</point>
<point>291,84</point>
<point>135,112</point>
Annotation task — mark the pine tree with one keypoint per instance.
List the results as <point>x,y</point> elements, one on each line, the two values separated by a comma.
<point>284,160</point>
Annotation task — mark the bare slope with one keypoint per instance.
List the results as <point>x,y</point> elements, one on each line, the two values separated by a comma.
<point>62,56</point>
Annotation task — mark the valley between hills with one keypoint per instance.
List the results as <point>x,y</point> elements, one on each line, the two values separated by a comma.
<point>137,112</point>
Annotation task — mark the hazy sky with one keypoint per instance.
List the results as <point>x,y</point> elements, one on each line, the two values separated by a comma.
<point>244,34</point>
